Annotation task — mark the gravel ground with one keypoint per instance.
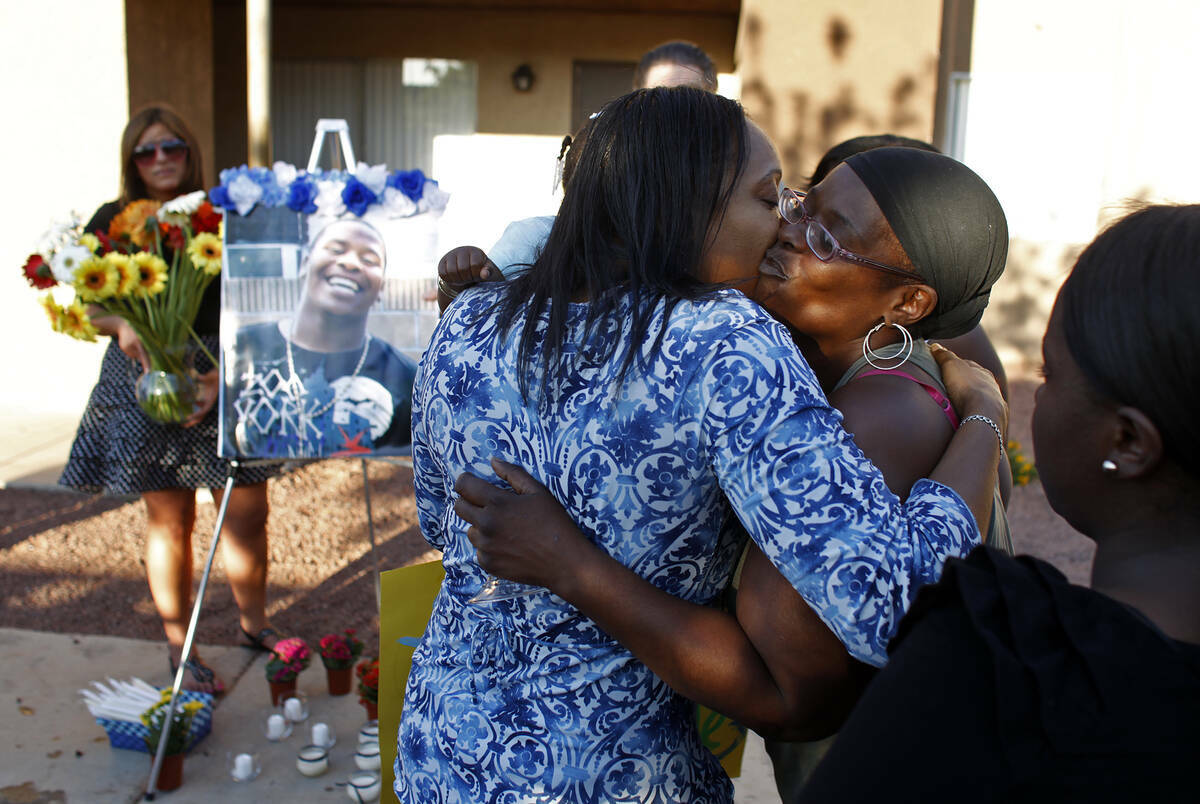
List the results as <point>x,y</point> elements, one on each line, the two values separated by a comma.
<point>72,564</point>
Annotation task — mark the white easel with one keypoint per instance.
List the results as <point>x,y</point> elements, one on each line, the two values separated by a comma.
<point>324,127</point>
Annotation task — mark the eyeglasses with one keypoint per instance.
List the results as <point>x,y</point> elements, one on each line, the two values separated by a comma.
<point>821,243</point>
<point>171,149</point>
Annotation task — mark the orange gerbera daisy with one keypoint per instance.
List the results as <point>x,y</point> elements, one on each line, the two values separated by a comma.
<point>130,223</point>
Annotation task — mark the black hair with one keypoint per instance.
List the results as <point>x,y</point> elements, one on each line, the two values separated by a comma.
<point>651,185</point>
<point>1128,315</point>
<point>856,145</point>
<point>568,153</point>
<point>677,52</point>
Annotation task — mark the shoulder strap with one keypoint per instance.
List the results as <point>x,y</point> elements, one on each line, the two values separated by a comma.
<point>934,392</point>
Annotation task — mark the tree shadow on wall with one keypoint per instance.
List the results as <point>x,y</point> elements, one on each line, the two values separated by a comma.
<point>804,126</point>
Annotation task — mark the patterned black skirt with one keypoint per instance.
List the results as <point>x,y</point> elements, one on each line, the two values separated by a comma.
<point>119,450</point>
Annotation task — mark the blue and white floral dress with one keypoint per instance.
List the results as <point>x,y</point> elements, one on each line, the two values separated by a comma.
<point>527,699</point>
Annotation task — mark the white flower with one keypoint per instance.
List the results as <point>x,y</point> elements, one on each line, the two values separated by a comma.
<point>59,235</point>
<point>244,192</point>
<point>374,177</point>
<point>433,198</point>
<point>285,174</point>
<point>184,205</point>
<point>397,205</point>
<point>329,199</point>
<point>65,262</point>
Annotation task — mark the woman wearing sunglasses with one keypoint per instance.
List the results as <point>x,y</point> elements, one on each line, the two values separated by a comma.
<point>895,241</point>
<point>119,450</point>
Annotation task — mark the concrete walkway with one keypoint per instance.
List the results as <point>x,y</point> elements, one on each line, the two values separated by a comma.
<point>55,752</point>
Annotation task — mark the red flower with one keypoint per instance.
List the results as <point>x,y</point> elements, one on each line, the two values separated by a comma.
<point>173,236</point>
<point>37,273</point>
<point>106,243</point>
<point>206,219</point>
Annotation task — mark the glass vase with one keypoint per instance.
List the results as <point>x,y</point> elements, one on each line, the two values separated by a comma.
<point>167,391</point>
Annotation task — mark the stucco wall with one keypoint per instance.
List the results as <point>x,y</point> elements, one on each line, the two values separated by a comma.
<point>816,73</point>
<point>1076,111</point>
<point>67,102</point>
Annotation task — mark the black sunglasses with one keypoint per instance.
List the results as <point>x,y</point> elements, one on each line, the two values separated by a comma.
<point>171,149</point>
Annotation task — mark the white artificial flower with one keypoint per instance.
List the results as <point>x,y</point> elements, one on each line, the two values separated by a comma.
<point>397,205</point>
<point>184,205</point>
<point>285,174</point>
<point>244,192</point>
<point>65,262</point>
<point>375,177</point>
<point>329,199</point>
<point>59,235</point>
<point>433,198</point>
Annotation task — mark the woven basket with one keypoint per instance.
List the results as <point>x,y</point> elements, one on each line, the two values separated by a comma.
<point>131,736</point>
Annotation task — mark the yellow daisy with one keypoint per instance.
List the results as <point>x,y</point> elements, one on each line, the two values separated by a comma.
<point>96,279</point>
<point>53,311</point>
<point>75,322</point>
<point>151,273</point>
<point>205,251</point>
<point>126,271</point>
<point>90,242</point>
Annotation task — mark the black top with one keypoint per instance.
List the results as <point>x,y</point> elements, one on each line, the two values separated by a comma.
<point>1007,683</point>
<point>208,317</point>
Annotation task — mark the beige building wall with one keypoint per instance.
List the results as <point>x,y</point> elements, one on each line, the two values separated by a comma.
<point>498,41</point>
<point>170,60</point>
<point>816,73</point>
<point>67,102</point>
<point>1076,110</point>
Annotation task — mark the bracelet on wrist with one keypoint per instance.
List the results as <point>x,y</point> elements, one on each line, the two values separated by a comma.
<point>979,417</point>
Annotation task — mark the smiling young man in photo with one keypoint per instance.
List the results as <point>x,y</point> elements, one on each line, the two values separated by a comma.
<point>318,384</point>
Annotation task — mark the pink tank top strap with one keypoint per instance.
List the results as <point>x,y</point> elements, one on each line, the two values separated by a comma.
<point>934,392</point>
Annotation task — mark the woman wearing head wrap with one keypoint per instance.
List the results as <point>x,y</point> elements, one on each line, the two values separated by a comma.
<point>1006,682</point>
<point>842,277</point>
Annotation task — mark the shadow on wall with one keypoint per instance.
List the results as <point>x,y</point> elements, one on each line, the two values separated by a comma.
<point>803,127</point>
<point>1021,301</point>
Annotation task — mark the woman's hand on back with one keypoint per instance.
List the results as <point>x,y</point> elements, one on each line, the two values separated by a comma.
<point>972,388</point>
<point>523,535</point>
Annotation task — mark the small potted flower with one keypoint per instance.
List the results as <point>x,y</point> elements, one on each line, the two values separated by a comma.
<point>288,658</point>
<point>170,775</point>
<point>368,686</point>
<point>339,652</point>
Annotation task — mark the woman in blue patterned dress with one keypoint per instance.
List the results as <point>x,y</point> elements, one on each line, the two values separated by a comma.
<point>639,386</point>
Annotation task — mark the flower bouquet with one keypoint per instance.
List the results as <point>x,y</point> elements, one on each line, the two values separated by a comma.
<point>288,658</point>
<point>368,686</point>
<point>338,654</point>
<point>151,268</point>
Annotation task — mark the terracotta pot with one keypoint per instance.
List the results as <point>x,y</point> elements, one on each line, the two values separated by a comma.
<point>339,679</point>
<point>170,775</point>
<point>372,710</point>
<point>281,691</point>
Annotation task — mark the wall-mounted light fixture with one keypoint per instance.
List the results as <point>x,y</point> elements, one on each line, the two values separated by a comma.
<point>523,78</point>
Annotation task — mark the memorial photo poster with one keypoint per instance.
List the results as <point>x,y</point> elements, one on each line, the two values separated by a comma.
<point>323,320</point>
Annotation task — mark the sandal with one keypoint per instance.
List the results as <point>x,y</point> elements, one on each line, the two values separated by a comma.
<point>201,674</point>
<point>259,642</point>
